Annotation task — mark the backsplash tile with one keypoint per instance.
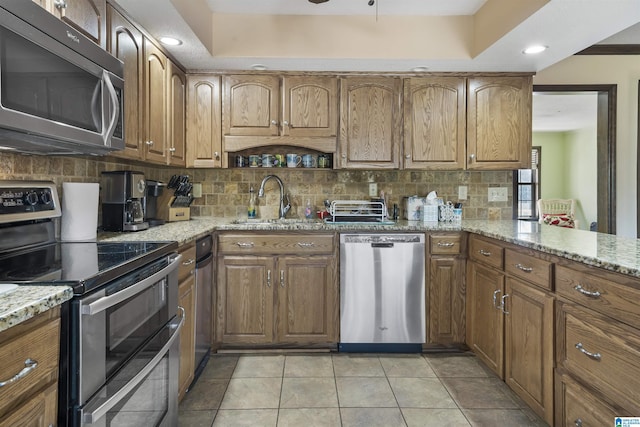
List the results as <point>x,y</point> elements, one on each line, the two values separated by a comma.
<point>225,192</point>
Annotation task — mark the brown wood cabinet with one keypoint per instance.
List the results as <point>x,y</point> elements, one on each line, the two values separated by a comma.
<point>577,406</point>
<point>204,121</point>
<point>435,123</point>
<point>155,103</point>
<point>370,122</point>
<point>31,400</point>
<point>176,120</point>
<point>446,320</point>
<point>277,289</point>
<point>187,300</point>
<point>86,16</point>
<point>499,122</point>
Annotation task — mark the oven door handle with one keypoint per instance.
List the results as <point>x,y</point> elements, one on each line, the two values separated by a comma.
<point>111,300</point>
<point>103,406</point>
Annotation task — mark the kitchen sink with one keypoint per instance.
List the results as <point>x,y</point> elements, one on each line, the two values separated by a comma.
<point>260,221</point>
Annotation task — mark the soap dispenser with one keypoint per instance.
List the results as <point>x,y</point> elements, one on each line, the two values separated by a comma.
<point>251,210</point>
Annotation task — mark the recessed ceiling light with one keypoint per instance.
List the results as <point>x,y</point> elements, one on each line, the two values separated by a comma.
<point>536,48</point>
<point>259,67</point>
<point>170,41</point>
<point>420,69</point>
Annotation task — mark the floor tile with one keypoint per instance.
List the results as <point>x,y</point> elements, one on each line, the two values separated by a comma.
<point>308,366</point>
<point>246,418</point>
<point>259,367</point>
<point>371,417</point>
<point>206,394</point>
<point>434,417</point>
<point>421,393</point>
<point>309,393</point>
<point>252,393</point>
<point>365,392</point>
<point>309,417</point>
<point>500,417</point>
<point>357,366</point>
<point>195,418</point>
<point>458,366</point>
<point>406,366</point>
<point>481,393</point>
<point>220,367</point>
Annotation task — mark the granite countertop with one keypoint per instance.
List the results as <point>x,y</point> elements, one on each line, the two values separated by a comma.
<point>26,302</point>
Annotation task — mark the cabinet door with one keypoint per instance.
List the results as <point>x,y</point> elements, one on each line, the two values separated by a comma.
<point>39,411</point>
<point>310,106</point>
<point>187,300</point>
<point>155,85</point>
<point>250,105</point>
<point>87,16</point>
<point>245,299</point>
<point>370,122</point>
<point>125,43</point>
<point>307,300</point>
<point>485,330</point>
<point>204,122</point>
<point>446,300</point>
<point>176,94</point>
<point>499,122</point>
<point>434,123</point>
<point>529,345</point>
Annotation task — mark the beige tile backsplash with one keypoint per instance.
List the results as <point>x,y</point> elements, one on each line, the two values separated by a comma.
<point>225,192</point>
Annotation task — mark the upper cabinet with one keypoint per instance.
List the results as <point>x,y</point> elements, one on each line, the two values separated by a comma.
<point>176,120</point>
<point>370,117</point>
<point>278,108</point>
<point>87,16</point>
<point>499,122</point>
<point>155,96</point>
<point>434,123</point>
<point>204,126</point>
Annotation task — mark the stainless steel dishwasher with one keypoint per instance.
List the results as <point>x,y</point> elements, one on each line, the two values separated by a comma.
<point>382,292</point>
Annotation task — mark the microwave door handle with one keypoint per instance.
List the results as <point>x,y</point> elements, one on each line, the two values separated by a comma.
<point>104,407</point>
<point>111,300</point>
<point>95,105</point>
<point>115,111</point>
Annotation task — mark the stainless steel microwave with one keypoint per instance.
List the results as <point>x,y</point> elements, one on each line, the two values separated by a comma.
<point>60,93</point>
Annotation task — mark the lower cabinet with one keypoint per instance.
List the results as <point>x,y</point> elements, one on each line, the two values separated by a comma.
<point>187,300</point>
<point>280,290</point>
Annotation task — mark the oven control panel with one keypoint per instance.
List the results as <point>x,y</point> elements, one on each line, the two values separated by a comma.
<point>28,200</point>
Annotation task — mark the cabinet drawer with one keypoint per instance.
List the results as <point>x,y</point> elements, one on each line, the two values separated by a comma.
<point>445,244</point>
<point>600,294</point>
<point>528,267</point>
<point>258,244</point>
<point>486,252</point>
<point>602,353</point>
<point>41,344</point>
<point>188,264</point>
<point>578,406</point>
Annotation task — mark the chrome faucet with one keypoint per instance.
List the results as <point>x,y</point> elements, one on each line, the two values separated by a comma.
<point>284,207</point>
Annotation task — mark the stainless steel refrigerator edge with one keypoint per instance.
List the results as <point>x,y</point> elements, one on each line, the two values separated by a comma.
<point>382,292</point>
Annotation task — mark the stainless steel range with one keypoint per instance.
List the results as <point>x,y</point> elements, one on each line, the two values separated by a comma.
<point>119,334</point>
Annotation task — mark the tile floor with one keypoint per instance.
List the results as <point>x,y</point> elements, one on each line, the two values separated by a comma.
<point>351,390</point>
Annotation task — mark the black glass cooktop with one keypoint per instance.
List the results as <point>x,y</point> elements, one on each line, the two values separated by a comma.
<point>82,265</point>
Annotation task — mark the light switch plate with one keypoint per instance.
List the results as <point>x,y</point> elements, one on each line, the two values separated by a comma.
<point>462,192</point>
<point>373,189</point>
<point>196,191</point>
<point>498,194</point>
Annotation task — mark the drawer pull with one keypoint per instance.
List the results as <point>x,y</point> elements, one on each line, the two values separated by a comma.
<point>594,356</point>
<point>29,365</point>
<point>189,261</point>
<point>445,244</point>
<point>245,244</point>
<point>523,268</point>
<point>268,278</point>
<point>578,422</point>
<point>503,300</point>
<point>495,298</point>
<point>485,253</point>
<point>282,278</point>
<point>306,244</point>
<point>583,291</point>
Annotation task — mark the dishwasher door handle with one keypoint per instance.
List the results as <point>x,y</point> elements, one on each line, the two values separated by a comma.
<point>382,245</point>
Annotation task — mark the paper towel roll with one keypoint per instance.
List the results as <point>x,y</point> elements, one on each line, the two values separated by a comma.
<point>79,211</point>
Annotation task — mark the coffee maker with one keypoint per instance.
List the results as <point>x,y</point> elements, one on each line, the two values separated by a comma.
<point>122,194</point>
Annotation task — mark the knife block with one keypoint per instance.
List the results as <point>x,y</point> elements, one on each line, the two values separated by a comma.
<point>169,213</point>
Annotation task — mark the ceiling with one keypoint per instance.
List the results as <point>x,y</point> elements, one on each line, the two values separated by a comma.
<point>564,111</point>
<point>391,35</point>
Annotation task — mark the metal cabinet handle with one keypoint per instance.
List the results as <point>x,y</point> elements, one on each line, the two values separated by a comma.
<point>594,356</point>
<point>472,156</point>
<point>306,244</point>
<point>407,156</point>
<point>149,143</point>
<point>445,244</point>
<point>495,298</point>
<point>578,422</point>
<point>268,278</point>
<point>285,123</point>
<point>60,4</point>
<point>274,122</point>
<point>485,253</point>
<point>171,150</point>
<point>29,365</point>
<point>245,244</point>
<point>189,261</point>
<point>583,291</point>
<point>282,278</point>
<point>502,301</point>
<point>216,155</point>
<point>523,268</point>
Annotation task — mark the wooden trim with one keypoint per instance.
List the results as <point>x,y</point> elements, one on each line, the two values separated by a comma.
<point>233,143</point>
<point>611,49</point>
<point>606,147</point>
